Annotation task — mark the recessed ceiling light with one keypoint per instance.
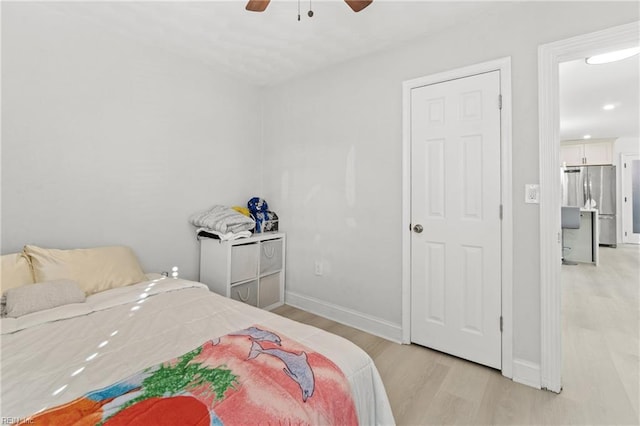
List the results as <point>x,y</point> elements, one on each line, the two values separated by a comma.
<point>618,55</point>
<point>608,107</point>
<point>586,137</point>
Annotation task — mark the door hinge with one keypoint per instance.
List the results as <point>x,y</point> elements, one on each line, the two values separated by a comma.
<point>625,233</point>
<point>499,101</point>
<point>625,165</point>
<point>501,325</point>
<point>625,199</point>
<point>500,211</point>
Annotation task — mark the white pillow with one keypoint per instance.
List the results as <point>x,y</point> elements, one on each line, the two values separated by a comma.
<point>40,296</point>
<point>94,269</point>
<point>14,271</point>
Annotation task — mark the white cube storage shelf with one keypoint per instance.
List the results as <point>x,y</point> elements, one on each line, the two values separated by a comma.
<point>250,270</point>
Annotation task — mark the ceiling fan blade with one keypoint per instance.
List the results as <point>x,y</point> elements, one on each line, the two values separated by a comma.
<point>358,5</point>
<point>257,5</point>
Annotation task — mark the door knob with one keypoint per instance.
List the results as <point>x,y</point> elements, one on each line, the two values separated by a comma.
<point>418,229</point>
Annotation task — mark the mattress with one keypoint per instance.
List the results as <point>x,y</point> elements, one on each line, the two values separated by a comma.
<point>52,357</point>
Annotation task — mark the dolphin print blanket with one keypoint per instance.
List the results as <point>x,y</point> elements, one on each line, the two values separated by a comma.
<point>252,376</point>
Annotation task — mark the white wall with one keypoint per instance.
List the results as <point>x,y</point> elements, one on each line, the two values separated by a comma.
<point>332,159</point>
<point>624,145</point>
<point>105,141</point>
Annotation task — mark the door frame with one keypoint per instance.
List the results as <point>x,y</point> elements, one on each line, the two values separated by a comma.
<point>504,66</point>
<point>549,58</point>
<point>624,158</point>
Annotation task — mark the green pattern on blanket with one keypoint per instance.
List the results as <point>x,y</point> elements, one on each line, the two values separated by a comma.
<point>175,379</point>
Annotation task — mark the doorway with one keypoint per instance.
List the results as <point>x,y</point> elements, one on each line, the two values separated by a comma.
<point>630,198</point>
<point>500,71</point>
<point>550,56</point>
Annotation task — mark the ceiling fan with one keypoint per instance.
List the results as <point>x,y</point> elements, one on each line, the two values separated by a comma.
<point>261,5</point>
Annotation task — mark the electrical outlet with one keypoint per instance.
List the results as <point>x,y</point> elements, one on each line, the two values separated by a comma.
<point>318,270</point>
<point>532,194</point>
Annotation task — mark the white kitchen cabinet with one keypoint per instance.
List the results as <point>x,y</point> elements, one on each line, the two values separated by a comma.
<point>586,154</point>
<point>598,153</point>
<point>250,270</point>
<point>572,155</point>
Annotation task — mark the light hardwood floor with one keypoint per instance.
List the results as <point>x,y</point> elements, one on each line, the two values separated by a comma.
<point>600,369</point>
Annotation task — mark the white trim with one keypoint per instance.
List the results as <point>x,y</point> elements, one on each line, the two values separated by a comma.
<point>504,66</point>
<point>355,319</point>
<point>549,57</point>
<point>527,373</point>
<point>626,158</point>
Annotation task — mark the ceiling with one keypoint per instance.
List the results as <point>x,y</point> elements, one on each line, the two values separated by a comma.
<point>585,89</point>
<point>270,47</point>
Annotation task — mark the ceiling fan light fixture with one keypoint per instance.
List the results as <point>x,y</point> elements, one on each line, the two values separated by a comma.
<point>257,5</point>
<point>261,5</point>
<point>617,55</point>
<point>358,5</point>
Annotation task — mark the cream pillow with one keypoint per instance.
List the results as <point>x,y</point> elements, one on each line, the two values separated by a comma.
<point>14,271</point>
<point>95,269</point>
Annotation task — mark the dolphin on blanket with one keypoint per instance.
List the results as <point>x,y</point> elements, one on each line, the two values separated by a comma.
<point>296,367</point>
<point>257,334</point>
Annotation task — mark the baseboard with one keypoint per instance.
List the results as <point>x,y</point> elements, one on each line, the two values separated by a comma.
<point>355,319</point>
<point>527,373</point>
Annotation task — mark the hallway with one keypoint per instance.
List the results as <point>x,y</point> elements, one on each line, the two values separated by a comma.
<point>600,335</point>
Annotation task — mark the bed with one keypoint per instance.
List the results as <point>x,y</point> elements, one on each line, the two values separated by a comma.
<point>107,349</point>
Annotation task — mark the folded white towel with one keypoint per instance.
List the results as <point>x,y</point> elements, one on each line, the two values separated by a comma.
<point>222,219</point>
<point>225,237</point>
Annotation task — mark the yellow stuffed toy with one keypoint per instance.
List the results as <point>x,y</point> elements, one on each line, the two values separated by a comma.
<point>243,210</point>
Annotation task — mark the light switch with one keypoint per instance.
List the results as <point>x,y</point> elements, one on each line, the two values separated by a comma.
<point>532,193</point>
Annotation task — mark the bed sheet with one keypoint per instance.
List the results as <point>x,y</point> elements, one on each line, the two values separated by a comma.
<point>50,358</point>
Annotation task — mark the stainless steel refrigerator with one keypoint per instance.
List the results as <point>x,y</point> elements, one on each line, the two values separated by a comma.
<point>593,187</point>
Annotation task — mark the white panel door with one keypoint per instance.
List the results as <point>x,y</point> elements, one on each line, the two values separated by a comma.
<point>455,215</point>
<point>630,198</point>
